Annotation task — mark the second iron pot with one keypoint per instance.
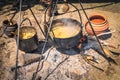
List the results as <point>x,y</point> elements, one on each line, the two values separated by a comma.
<point>28,39</point>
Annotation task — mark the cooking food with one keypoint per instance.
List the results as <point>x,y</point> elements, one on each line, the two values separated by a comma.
<point>63,31</point>
<point>26,33</point>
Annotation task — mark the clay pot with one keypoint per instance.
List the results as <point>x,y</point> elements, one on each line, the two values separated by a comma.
<point>99,24</point>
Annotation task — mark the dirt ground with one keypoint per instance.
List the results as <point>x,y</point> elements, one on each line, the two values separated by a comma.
<point>110,10</point>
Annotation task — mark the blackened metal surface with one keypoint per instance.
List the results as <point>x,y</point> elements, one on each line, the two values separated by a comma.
<point>29,45</point>
<point>9,28</point>
<point>67,43</point>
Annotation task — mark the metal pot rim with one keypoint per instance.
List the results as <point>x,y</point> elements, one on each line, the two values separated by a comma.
<point>31,28</point>
<point>69,20</point>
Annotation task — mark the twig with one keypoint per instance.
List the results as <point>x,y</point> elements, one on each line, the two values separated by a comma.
<point>108,44</point>
<point>106,33</point>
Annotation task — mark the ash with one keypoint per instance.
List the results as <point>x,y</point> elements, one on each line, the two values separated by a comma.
<point>59,66</point>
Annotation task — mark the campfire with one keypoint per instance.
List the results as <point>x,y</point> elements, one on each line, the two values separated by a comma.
<point>67,52</point>
<point>70,56</point>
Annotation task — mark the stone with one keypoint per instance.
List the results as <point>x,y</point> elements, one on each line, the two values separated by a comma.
<point>31,57</point>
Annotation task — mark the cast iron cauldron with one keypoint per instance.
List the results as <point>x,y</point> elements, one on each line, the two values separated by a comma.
<point>28,38</point>
<point>9,27</point>
<point>28,43</point>
<point>66,42</point>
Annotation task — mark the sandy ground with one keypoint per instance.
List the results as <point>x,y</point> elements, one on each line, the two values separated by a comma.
<point>112,12</point>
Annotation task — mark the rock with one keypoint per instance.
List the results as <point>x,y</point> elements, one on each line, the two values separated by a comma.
<point>39,7</point>
<point>64,8</point>
<point>73,75</point>
<point>30,58</point>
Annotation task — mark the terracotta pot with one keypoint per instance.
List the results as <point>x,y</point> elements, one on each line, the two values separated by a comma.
<point>99,23</point>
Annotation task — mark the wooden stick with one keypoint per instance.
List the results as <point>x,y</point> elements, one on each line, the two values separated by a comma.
<point>108,44</point>
<point>106,33</point>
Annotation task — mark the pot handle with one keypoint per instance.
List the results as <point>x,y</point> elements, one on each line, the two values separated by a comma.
<point>85,23</point>
<point>25,20</point>
<point>22,23</point>
<point>83,39</point>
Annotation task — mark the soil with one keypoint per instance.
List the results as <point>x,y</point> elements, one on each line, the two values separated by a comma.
<point>110,10</point>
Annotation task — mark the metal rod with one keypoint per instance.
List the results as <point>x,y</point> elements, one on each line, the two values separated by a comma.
<point>17,50</point>
<point>37,22</point>
<point>34,76</point>
<point>45,26</point>
<point>25,20</point>
<point>92,29</point>
<point>50,9</point>
<point>78,12</point>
